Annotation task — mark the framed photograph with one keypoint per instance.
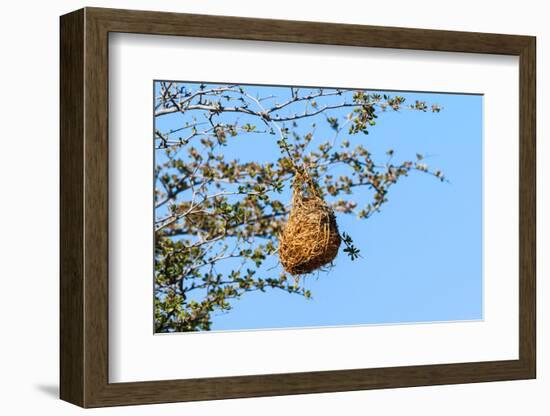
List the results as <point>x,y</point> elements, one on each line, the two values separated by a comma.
<point>257,207</point>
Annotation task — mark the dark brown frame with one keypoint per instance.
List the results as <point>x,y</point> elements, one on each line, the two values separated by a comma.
<point>84,208</point>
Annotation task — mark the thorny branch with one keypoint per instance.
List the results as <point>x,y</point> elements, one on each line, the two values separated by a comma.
<point>212,211</point>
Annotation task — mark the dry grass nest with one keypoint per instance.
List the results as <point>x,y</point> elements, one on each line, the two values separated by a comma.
<point>310,238</point>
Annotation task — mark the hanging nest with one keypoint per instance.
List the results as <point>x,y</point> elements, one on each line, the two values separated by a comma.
<point>310,238</point>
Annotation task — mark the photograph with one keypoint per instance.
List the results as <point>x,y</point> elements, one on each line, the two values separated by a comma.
<point>286,206</point>
<point>305,204</point>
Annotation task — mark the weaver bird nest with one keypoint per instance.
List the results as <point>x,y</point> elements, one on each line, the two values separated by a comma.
<point>310,238</point>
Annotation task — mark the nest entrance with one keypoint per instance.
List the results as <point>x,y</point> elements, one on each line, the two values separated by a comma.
<point>310,238</point>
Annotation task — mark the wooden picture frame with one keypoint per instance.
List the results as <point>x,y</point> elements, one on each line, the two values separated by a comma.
<point>84,207</point>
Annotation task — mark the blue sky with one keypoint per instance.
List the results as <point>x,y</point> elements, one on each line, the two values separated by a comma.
<point>421,255</point>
